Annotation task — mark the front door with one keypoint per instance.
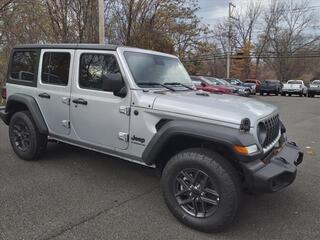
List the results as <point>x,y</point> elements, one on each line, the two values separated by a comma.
<point>53,91</point>
<point>98,117</point>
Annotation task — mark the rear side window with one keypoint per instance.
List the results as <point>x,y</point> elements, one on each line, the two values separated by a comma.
<point>93,67</point>
<point>24,66</point>
<point>55,68</point>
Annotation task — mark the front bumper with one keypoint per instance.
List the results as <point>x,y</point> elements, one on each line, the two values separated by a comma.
<point>276,171</point>
<point>314,91</point>
<point>291,90</point>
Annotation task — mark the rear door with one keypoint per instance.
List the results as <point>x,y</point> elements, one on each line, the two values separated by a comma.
<point>54,86</point>
<point>98,117</point>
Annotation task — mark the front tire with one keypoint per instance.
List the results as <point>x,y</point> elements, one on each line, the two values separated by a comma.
<point>201,189</point>
<point>25,138</point>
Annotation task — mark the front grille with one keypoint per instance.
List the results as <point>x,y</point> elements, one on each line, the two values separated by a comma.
<point>272,125</point>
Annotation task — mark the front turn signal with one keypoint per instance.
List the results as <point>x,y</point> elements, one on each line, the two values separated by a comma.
<point>245,150</point>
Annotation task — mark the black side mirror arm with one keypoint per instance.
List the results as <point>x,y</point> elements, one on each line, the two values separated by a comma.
<point>121,93</point>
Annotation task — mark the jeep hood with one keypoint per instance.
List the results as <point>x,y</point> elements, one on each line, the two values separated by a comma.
<point>217,107</point>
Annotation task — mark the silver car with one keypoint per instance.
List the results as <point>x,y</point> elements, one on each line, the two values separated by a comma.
<point>141,106</point>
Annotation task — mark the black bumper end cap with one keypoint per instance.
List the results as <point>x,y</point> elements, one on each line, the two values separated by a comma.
<point>299,159</point>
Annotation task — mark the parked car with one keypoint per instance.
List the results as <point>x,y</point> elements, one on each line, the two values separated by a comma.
<point>140,105</point>
<point>205,84</point>
<point>255,81</point>
<point>243,90</point>
<point>271,86</point>
<point>252,86</point>
<point>314,88</point>
<point>294,87</point>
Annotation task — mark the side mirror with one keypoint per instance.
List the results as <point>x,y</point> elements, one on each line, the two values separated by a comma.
<point>113,82</point>
<point>203,84</point>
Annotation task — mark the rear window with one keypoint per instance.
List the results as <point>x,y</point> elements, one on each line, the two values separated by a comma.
<point>24,66</point>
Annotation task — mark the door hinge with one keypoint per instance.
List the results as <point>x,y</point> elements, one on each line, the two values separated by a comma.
<point>66,100</point>
<point>125,110</point>
<point>124,136</point>
<point>66,123</point>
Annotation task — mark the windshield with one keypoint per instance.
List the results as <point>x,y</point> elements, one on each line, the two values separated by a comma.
<point>224,82</point>
<point>316,82</point>
<point>270,81</point>
<point>248,84</point>
<point>217,81</point>
<point>294,82</point>
<point>156,69</point>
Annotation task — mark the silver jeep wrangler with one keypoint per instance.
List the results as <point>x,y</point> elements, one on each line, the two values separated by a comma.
<point>141,106</point>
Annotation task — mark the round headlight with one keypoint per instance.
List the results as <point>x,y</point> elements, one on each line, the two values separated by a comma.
<point>262,132</point>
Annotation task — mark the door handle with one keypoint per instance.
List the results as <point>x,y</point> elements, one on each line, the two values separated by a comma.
<point>44,95</point>
<point>80,101</point>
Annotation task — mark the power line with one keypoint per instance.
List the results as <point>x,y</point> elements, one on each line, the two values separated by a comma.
<point>223,56</point>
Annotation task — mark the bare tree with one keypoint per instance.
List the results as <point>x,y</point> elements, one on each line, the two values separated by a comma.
<point>287,36</point>
<point>73,20</point>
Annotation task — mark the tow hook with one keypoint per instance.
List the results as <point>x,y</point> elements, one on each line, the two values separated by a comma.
<point>299,159</point>
<point>292,143</point>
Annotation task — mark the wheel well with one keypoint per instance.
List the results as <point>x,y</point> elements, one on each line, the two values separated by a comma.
<point>180,143</point>
<point>14,107</point>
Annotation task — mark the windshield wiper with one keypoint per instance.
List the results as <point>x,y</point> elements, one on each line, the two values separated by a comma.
<point>179,84</point>
<point>156,84</point>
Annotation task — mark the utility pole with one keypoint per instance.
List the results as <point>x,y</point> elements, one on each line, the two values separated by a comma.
<point>230,17</point>
<point>101,22</point>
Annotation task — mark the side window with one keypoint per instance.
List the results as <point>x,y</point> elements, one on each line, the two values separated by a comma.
<point>93,67</point>
<point>24,65</point>
<point>55,68</point>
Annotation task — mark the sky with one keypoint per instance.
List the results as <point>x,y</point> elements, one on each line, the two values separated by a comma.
<point>213,11</point>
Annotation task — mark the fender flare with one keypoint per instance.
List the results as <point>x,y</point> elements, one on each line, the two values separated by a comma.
<point>32,107</point>
<point>217,134</point>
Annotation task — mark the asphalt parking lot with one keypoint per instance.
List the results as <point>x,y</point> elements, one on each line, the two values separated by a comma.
<point>78,194</point>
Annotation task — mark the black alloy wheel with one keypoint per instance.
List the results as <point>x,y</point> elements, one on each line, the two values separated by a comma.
<point>21,136</point>
<point>26,140</point>
<point>196,193</point>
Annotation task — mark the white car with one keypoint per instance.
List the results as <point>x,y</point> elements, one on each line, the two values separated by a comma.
<point>294,87</point>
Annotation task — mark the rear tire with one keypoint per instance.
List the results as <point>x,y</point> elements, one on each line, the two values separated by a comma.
<point>200,211</point>
<point>25,138</point>
<point>289,94</point>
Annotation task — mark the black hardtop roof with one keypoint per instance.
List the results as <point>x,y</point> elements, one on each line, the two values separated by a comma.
<point>69,46</point>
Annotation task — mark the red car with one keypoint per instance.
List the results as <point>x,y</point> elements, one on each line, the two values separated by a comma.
<point>209,84</point>
<point>255,81</point>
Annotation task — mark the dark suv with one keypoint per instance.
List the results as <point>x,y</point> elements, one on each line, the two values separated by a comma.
<point>271,86</point>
